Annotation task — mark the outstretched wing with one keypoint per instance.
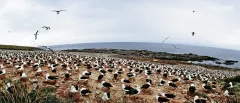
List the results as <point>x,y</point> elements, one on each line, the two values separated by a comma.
<point>54,10</point>
<point>48,48</point>
<point>165,40</point>
<point>62,10</point>
<point>175,47</point>
<point>36,32</point>
<point>51,50</point>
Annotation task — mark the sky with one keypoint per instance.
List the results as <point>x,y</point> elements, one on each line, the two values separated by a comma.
<point>215,22</point>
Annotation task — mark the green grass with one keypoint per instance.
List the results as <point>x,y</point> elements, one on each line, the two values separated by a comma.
<point>21,94</point>
<point>233,79</point>
<point>236,89</point>
<point>14,47</point>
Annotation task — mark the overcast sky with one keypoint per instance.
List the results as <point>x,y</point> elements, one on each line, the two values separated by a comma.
<point>216,22</point>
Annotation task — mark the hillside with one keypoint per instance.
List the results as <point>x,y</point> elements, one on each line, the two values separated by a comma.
<point>36,85</point>
<point>14,47</point>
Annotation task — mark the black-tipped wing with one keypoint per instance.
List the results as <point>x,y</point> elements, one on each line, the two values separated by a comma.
<point>165,40</point>
<point>37,32</point>
<point>51,50</point>
<point>175,47</point>
<point>52,77</point>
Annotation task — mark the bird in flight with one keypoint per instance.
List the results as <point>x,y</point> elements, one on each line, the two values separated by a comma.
<point>175,47</point>
<point>193,11</point>
<point>9,31</point>
<point>165,40</point>
<point>58,11</point>
<point>193,33</point>
<point>36,35</point>
<point>47,27</point>
<point>48,48</point>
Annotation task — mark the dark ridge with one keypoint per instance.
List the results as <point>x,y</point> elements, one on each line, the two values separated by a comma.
<point>148,54</point>
<point>230,62</point>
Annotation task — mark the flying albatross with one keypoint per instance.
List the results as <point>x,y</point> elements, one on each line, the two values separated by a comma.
<point>58,11</point>
<point>36,35</point>
<point>165,39</point>
<point>175,47</point>
<point>193,33</point>
<point>47,27</point>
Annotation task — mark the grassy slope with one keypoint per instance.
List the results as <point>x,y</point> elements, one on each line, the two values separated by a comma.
<point>14,47</point>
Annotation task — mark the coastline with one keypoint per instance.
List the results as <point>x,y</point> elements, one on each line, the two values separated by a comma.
<point>161,57</point>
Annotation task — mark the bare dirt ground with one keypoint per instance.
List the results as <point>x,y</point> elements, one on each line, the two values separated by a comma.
<point>117,94</point>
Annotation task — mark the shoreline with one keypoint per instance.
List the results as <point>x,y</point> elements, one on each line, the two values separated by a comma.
<point>150,56</point>
<point>157,61</point>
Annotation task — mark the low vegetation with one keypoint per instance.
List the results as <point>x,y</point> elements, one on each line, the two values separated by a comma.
<point>234,79</point>
<point>235,89</point>
<point>14,47</point>
<point>21,94</point>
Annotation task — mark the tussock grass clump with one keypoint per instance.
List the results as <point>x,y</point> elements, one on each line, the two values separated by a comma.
<point>21,94</point>
<point>236,89</point>
<point>233,99</point>
<point>234,79</point>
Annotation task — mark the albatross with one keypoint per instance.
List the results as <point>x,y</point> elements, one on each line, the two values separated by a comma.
<point>74,89</point>
<point>3,71</point>
<point>36,35</point>
<point>85,92</point>
<point>9,88</point>
<point>175,47</point>
<point>47,27</point>
<point>58,11</point>
<point>193,33</point>
<point>165,39</point>
<point>48,77</point>
<point>106,84</point>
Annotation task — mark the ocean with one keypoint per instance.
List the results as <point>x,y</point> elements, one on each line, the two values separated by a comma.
<point>223,54</point>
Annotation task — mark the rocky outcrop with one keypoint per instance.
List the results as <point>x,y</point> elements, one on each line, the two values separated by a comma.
<point>230,62</point>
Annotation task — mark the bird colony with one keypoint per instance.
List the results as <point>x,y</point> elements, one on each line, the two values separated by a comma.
<point>100,79</point>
